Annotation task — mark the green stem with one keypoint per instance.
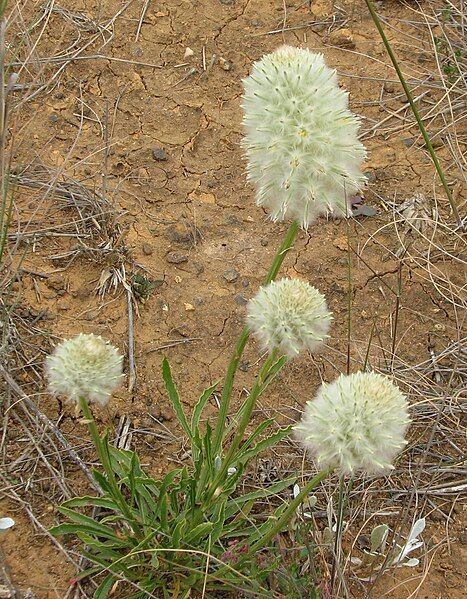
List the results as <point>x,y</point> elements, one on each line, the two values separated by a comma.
<point>285,246</point>
<point>286,516</point>
<point>106,464</point>
<point>245,419</point>
<point>414,108</point>
<point>337,538</point>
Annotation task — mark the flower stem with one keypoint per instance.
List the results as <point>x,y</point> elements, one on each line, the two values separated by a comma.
<point>415,112</point>
<point>286,516</point>
<point>245,418</point>
<point>103,453</point>
<point>338,536</point>
<point>285,246</point>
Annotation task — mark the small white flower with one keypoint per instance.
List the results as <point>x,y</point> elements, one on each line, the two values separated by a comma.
<point>289,315</point>
<point>301,140</point>
<point>86,366</point>
<point>356,423</point>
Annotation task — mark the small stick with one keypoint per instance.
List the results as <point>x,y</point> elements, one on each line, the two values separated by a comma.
<point>131,342</point>
<point>26,401</point>
<point>189,74</point>
<point>141,19</point>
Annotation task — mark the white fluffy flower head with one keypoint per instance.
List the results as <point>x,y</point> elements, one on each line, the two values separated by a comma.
<point>289,315</point>
<point>356,423</point>
<point>85,366</point>
<point>301,140</point>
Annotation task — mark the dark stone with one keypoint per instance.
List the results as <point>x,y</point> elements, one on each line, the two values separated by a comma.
<point>159,154</point>
<point>230,275</point>
<point>408,142</point>
<point>147,249</point>
<point>240,300</point>
<point>176,257</point>
<point>183,235</point>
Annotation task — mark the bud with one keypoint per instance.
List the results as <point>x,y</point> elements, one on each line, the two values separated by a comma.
<point>289,315</point>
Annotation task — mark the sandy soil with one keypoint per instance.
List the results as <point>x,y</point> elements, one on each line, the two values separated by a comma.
<point>161,144</point>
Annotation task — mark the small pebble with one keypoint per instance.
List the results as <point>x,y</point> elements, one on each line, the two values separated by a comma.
<point>388,87</point>
<point>342,38</point>
<point>230,275</point>
<point>225,64</point>
<point>166,414</point>
<point>240,300</point>
<point>182,234</point>
<point>158,281</point>
<point>159,154</point>
<point>176,257</point>
<point>198,267</point>
<point>53,118</point>
<point>264,242</point>
<point>147,249</point>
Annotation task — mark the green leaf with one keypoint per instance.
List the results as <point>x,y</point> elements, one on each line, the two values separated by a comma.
<point>264,444</point>
<point>270,376</point>
<point>198,532</point>
<point>162,502</point>
<point>71,529</point>
<point>101,481</point>
<point>379,535</point>
<point>88,523</point>
<point>174,397</point>
<point>234,505</point>
<point>219,519</point>
<point>178,533</point>
<point>88,501</point>
<point>256,433</point>
<point>155,560</point>
<point>102,591</point>
<point>198,409</point>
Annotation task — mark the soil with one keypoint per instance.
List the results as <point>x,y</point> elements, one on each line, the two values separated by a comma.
<point>162,144</point>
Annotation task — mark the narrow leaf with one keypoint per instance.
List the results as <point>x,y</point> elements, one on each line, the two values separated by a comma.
<point>174,397</point>
<point>265,444</point>
<point>198,409</point>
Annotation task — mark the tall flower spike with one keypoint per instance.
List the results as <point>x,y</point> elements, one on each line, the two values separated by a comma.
<point>356,423</point>
<point>301,140</point>
<point>86,366</point>
<point>289,315</point>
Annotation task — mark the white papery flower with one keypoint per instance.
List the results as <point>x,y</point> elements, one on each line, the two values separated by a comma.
<point>289,315</point>
<point>356,423</point>
<point>301,140</point>
<point>86,366</point>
